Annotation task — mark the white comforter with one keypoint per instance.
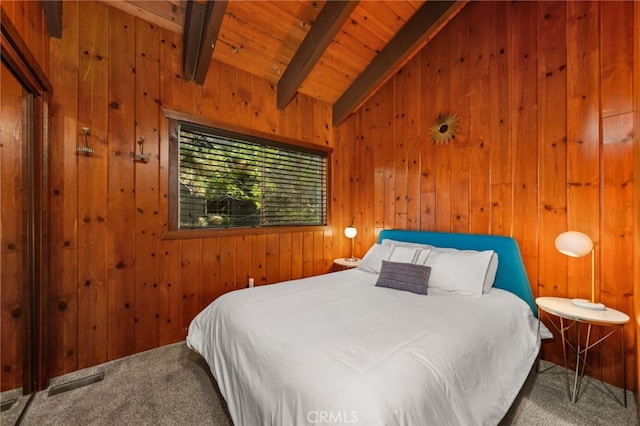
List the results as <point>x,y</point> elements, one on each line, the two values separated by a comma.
<point>335,349</point>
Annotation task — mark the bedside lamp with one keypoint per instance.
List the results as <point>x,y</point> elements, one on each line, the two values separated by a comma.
<point>351,232</point>
<point>577,244</point>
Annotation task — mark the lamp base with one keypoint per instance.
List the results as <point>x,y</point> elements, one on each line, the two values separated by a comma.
<point>584,303</point>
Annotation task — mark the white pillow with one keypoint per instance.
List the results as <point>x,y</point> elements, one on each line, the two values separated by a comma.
<point>420,260</point>
<point>372,260</point>
<point>422,257</point>
<point>408,255</point>
<point>459,271</point>
<point>491,273</point>
<point>388,242</point>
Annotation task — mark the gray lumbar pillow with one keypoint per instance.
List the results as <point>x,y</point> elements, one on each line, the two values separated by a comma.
<point>404,276</point>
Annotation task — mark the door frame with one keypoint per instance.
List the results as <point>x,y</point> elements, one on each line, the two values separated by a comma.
<point>18,57</point>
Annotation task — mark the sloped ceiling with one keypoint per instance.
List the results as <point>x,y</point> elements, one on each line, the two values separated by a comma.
<point>338,52</point>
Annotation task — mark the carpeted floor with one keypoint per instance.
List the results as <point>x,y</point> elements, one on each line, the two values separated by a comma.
<point>171,386</point>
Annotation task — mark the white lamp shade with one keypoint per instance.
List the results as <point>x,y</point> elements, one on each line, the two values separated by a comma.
<point>574,244</point>
<point>350,231</point>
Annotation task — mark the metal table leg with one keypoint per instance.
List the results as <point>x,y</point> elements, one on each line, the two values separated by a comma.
<point>582,353</point>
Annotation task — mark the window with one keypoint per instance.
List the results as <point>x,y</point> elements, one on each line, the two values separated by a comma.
<point>230,180</point>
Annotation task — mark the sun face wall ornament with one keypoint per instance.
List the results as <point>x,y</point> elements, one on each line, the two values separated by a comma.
<point>444,128</point>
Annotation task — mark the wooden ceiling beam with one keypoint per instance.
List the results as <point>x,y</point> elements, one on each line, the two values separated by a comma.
<point>193,22</point>
<point>212,23</point>
<point>331,18</point>
<point>53,16</point>
<point>201,27</point>
<point>422,26</point>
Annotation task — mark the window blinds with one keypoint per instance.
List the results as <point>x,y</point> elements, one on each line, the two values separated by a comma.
<point>227,180</point>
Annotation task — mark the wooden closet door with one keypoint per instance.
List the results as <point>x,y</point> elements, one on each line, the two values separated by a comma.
<point>15,213</point>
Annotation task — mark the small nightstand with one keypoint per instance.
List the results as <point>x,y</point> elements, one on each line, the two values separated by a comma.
<point>345,263</point>
<point>571,315</point>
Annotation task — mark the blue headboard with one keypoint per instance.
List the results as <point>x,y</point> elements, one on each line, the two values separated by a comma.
<point>511,275</point>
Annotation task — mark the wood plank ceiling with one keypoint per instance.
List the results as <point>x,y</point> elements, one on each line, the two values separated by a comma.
<point>355,47</point>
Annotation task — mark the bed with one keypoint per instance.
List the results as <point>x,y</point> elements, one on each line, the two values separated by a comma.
<point>342,348</point>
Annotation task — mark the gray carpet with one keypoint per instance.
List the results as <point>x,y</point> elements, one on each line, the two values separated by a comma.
<point>171,386</point>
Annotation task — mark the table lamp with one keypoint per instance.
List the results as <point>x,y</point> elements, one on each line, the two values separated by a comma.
<point>577,244</point>
<point>351,232</point>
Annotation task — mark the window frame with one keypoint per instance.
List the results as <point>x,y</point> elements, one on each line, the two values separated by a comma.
<point>173,230</point>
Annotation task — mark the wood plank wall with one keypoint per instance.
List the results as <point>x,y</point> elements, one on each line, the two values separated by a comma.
<point>545,96</point>
<point>117,287</point>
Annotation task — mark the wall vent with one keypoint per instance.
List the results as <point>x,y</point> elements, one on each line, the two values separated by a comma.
<point>75,384</point>
<point>5,405</point>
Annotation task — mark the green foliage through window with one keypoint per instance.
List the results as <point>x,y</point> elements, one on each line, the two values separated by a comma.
<point>230,180</point>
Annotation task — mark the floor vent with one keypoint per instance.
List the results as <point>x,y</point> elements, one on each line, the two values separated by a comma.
<point>75,384</point>
<point>5,405</point>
